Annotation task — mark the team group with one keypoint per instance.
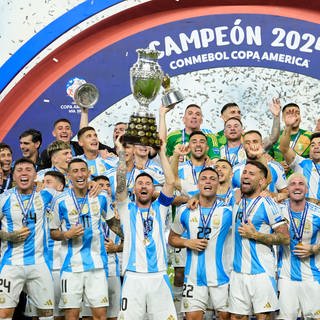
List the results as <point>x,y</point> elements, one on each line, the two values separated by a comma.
<point>87,230</point>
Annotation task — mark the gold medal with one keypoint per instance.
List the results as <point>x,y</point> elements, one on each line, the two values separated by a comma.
<point>299,244</point>
<point>146,241</point>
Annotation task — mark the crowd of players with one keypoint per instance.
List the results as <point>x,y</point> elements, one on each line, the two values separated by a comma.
<point>87,230</point>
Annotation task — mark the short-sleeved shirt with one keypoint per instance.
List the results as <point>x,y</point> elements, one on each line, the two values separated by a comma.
<point>86,252</point>
<point>181,137</point>
<point>205,268</point>
<point>139,255</point>
<point>34,249</point>
<point>290,266</point>
<point>252,257</point>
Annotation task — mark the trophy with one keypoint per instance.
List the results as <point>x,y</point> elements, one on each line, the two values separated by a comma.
<point>84,94</point>
<point>145,78</point>
<point>170,96</point>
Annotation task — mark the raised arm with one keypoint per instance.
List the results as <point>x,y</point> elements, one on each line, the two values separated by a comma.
<point>180,150</point>
<point>84,118</point>
<point>169,184</point>
<point>275,109</point>
<point>121,190</point>
<point>288,153</point>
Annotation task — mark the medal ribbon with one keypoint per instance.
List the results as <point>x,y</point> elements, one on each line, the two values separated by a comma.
<point>131,174</point>
<point>25,209</point>
<point>105,230</point>
<point>247,211</point>
<point>315,165</point>
<point>299,232</point>
<point>206,221</point>
<point>232,159</point>
<point>147,223</point>
<point>294,142</point>
<point>79,208</point>
<point>194,173</point>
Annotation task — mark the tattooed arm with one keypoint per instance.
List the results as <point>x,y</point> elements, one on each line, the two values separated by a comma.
<point>114,225</point>
<point>15,236</point>
<point>121,190</point>
<point>280,235</point>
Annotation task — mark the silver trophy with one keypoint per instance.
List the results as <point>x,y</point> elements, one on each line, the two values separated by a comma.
<point>170,96</point>
<point>145,78</point>
<point>86,95</point>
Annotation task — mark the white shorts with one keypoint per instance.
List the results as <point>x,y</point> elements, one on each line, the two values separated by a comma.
<point>146,292</point>
<point>249,294</point>
<point>37,281</point>
<point>91,285</point>
<point>177,257</point>
<point>114,290</point>
<point>298,296</point>
<point>195,298</point>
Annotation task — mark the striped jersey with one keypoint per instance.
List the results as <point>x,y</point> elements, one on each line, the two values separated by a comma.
<point>155,172</point>
<point>99,166</point>
<point>289,265</point>
<point>34,249</point>
<point>278,176</point>
<point>188,175</point>
<point>144,248</point>
<point>86,252</point>
<point>311,171</point>
<point>233,155</point>
<point>205,268</point>
<point>41,174</point>
<point>252,257</point>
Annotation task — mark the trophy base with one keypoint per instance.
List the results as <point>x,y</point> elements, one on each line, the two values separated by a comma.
<point>171,98</point>
<point>142,129</point>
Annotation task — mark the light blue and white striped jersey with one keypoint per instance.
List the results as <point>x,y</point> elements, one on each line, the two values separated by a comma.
<point>234,155</point>
<point>156,174</point>
<point>311,171</point>
<point>278,182</point>
<point>99,166</point>
<point>229,197</point>
<point>205,268</point>
<point>289,265</point>
<point>139,256</point>
<point>252,257</point>
<point>188,175</point>
<point>41,174</point>
<point>34,249</point>
<point>86,252</point>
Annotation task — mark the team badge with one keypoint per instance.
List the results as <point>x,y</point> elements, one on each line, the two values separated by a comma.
<point>2,299</point>
<point>102,168</point>
<point>95,208</point>
<point>37,203</point>
<point>85,209</point>
<point>215,221</point>
<point>307,226</point>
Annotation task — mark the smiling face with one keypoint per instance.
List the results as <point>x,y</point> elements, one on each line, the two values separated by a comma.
<point>143,190</point>
<point>28,147</point>
<point>6,159</point>
<point>192,118</point>
<point>315,150</point>
<point>208,183</point>
<point>297,188</point>
<point>252,180</point>
<point>224,170</point>
<point>52,182</point>
<point>61,158</point>
<point>62,131</point>
<point>198,146</point>
<point>24,175</point>
<point>89,141</point>
<point>231,112</point>
<point>78,173</point>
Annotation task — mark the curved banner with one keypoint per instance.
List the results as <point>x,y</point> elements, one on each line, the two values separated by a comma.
<point>187,46</point>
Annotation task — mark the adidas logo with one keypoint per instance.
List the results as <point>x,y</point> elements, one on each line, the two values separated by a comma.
<point>49,303</point>
<point>267,306</point>
<point>104,300</point>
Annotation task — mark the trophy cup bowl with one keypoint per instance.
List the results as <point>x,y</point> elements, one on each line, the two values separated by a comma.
<point>170,96</point>
<point>86,95</point>
<point>145,79</point>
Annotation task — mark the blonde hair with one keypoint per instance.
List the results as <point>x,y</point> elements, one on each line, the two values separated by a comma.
<point>298,175</point>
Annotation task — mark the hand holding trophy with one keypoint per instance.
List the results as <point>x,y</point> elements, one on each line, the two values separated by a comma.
<point>146,78</point>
